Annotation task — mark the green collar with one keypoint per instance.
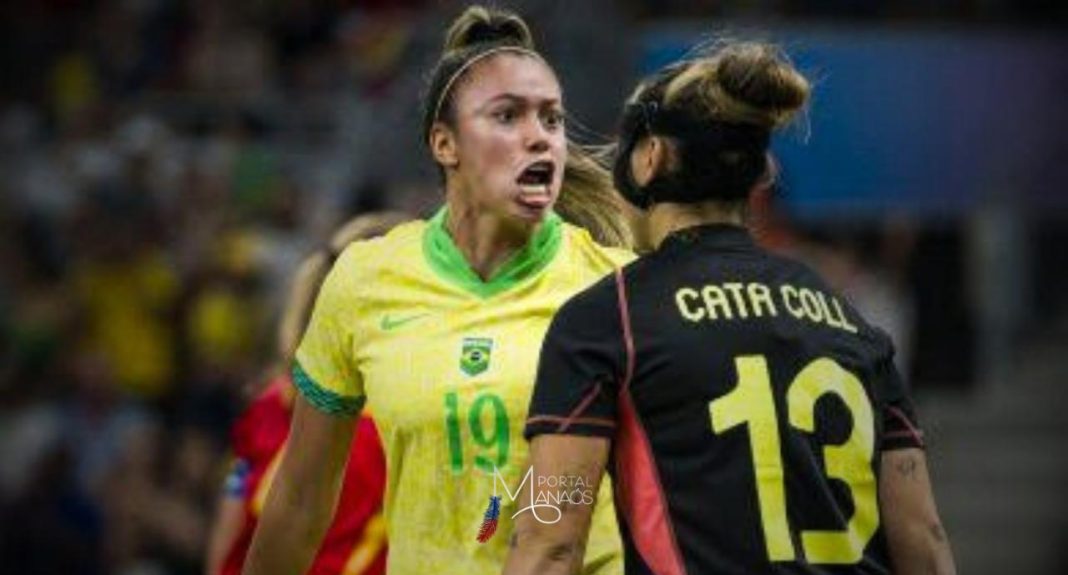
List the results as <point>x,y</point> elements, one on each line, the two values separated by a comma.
<point>450,264</point>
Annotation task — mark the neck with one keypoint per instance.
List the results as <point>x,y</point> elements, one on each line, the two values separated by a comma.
<point>667,218</point>
<point>484,239</point>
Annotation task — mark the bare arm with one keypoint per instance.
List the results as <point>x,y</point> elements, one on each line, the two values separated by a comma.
<point>302,499</point>
<point>918,544</point>
<point>539,548</point>
<point>227,524</point>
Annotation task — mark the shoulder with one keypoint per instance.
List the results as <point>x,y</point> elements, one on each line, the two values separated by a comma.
<point>361,263</point>
<point>586,336</point>
<point>872,338</point>
<point>593,309</point>
<point>372,253</point>
<point>582,247</point>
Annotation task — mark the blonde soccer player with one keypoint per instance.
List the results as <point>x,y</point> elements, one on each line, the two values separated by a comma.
<point>436,326</point>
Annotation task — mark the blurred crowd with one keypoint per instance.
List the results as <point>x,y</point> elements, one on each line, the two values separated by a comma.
<point>165,166</point>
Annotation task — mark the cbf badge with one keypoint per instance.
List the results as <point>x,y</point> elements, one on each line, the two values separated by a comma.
<point>475,356</point>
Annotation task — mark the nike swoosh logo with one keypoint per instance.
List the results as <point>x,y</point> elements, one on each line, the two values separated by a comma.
<point>390,323</point>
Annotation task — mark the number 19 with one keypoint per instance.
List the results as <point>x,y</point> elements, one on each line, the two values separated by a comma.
<point>493,445</point>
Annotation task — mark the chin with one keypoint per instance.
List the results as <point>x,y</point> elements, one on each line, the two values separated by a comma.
<point>530,215</point>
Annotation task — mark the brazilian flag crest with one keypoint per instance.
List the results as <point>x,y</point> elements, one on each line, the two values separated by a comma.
<point>475,356</point>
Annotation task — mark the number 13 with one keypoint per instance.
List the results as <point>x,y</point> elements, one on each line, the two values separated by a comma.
<point>751,403</point>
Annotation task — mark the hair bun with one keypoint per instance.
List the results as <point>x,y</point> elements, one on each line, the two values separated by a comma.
<point>481,25</point>
<point>760,76</point>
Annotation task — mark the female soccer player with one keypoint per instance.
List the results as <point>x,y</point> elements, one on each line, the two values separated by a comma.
<point>436,326</point>
<point>755,422</point>
<point>355,543</point>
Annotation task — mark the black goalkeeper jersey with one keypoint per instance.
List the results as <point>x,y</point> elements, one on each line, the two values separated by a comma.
<point>746,402</point>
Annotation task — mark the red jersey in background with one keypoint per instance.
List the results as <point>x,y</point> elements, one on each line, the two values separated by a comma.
<point>356,540</point>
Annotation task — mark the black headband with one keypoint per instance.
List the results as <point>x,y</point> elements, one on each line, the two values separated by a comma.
<point>702,133</point>
<point>719,160</point>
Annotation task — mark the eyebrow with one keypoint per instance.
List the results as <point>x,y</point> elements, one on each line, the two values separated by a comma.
<point>511,97</point>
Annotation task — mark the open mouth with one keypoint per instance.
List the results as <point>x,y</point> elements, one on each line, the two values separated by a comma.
<point>535,180</point>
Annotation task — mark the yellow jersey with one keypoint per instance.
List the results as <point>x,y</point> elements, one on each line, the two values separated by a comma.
<point>446,362</point>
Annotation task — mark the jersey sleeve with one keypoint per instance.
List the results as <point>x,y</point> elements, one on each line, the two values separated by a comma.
<point>582,362</point>
<point>901,429</point>
<point>325,369</point>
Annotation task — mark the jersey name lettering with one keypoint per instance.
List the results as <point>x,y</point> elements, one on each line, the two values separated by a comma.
<point>736,300</point>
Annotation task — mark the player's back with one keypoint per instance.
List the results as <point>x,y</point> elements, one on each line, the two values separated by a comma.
<point>760,394</point>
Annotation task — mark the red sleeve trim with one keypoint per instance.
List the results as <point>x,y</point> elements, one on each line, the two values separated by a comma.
<point>910,429</point>
<point>575,413</point>
<point>570,421</point>
<point>628,335</point>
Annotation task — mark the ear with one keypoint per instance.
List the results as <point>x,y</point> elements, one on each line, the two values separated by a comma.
<point>659,155</point>
<point>443,145</point>
<point>651,157</point>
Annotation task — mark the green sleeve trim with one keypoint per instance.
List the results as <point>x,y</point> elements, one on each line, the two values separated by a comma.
<point>323,399</point>
<point>449,263</point>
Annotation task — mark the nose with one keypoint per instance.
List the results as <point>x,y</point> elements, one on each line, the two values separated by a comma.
<point>535,136</point>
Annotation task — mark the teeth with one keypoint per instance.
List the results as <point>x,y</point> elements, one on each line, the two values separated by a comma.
<point>534,189</point>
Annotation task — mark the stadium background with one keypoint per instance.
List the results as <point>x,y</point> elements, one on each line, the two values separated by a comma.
<point>164,165</point>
